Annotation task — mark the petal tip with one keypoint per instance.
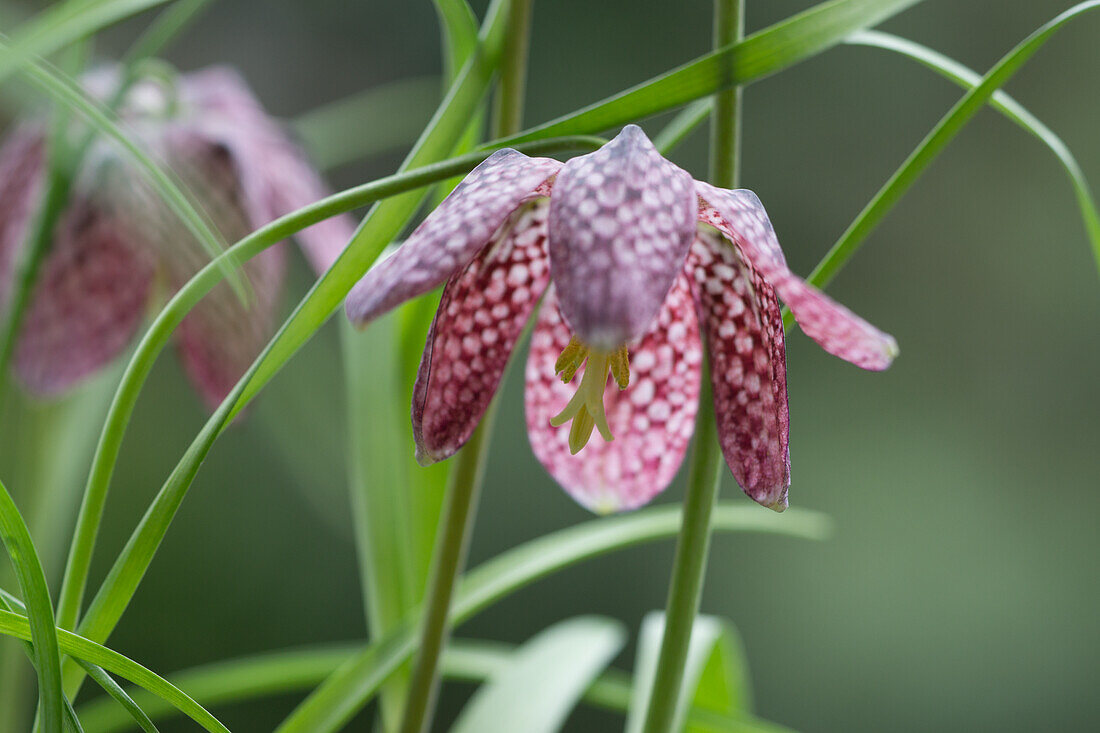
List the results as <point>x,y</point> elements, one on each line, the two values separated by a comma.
<point>425,457</point>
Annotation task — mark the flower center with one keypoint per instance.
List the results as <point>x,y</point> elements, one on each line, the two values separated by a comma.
<point>585,408</point>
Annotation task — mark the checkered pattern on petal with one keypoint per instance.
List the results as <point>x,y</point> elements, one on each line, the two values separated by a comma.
<point>740,216</point>
<point>621,222</point>
<point>743,327</point>
<point>87,303</point>
<point>652,419</point>
<point>481,315</point>
<point>451,236</point>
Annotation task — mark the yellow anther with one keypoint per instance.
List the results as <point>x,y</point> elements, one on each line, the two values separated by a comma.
<point>571,358</point>
<point>585,408</point>
<point>620,367</point>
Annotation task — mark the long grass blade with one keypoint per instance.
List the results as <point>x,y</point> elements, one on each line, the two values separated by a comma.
<point>41,629</point>
<point>1006,105</point>
<point>13,624</point>
<point>759,55</point>
<point>933,144</point>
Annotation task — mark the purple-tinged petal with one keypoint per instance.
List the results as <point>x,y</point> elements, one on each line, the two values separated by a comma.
<point>481,315</point>
<point>450,237</point>
<point>21,168</point>
<point>621,222</point>
<point>87,303</point>
<point>275,176</point>
<point>221,337</point>
<point>652,419</point>
<point>741,321</point>
<point>740,216</point>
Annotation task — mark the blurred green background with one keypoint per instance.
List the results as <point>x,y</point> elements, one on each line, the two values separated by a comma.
<point>959,592</point>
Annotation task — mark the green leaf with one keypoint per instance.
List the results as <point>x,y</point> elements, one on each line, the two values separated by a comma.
<point>759,55</point>
<point>458,29</point>
<point>932,145</point>
<point>1006,105</point>
<point>282,672</point>
<point>351,686</point>
<point>104,680</point>
<point>542,681</point>
<point>333,133</point>
<point>13,624</point>
<point>42,632</point>
<point>61,24</point>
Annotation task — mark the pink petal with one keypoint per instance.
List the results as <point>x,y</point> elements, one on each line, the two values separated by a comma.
<point>21,161</point>
<point>652,419</point>
<point>481,315</point>
<point>743,326</point>
<point>621,222</point>
<point>275,176</point>
<point>87,303</point>
<point>740,216</point>
<point>452,234</point>
<point>221,337</point>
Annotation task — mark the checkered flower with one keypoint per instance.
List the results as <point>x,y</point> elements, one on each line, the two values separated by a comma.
<point>116,244</point>
<point>640,266</point>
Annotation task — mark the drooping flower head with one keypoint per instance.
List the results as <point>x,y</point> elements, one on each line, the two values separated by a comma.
<point>636,261</point>
<point>116,241</point>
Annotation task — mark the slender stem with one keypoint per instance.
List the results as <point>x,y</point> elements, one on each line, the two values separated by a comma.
<point>508,106</point>
<point>690,562</point>
<point>463,487</point>
<point>725,125</point>
<point>464,483</point>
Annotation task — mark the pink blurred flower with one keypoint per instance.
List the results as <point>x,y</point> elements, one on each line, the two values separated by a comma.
<point>637,261</point>
<point>116,243</point>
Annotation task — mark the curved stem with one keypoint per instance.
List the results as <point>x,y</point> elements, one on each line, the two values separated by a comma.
<point>464,483</point>
<point>690,563</point>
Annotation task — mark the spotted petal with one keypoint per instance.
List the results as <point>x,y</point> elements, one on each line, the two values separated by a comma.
<point>740,216</point>
<point>481,315</point>
<point>652,420</point>
<point>743,327</point>
<point>87,303</point>
<point>452,235</point>
<point>621,222</point>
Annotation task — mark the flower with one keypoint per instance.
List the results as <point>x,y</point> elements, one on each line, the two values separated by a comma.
<point>637,261</point>
<point>116,241</point>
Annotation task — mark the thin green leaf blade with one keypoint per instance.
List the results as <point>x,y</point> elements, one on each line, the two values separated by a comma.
<point>62,23</point>
<point>543,680</point>
<point>1006,105</point>
<point>104,680</point>
<point>76,646</point>
<point>933,144</point>
<point>759,55</point>
<point>43,633</point>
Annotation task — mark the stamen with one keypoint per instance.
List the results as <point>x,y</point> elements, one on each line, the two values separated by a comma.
<point>570,360</point>
<point>620,367</point>
<point>585,408</point>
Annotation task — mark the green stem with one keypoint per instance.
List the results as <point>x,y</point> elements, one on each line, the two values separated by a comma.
<point>464,483</point>
<point>463,488</point>
<point>704,477</point>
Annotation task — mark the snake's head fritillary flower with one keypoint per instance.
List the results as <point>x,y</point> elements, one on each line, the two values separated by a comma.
<point>639,266</point>
<point>115,242</point>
